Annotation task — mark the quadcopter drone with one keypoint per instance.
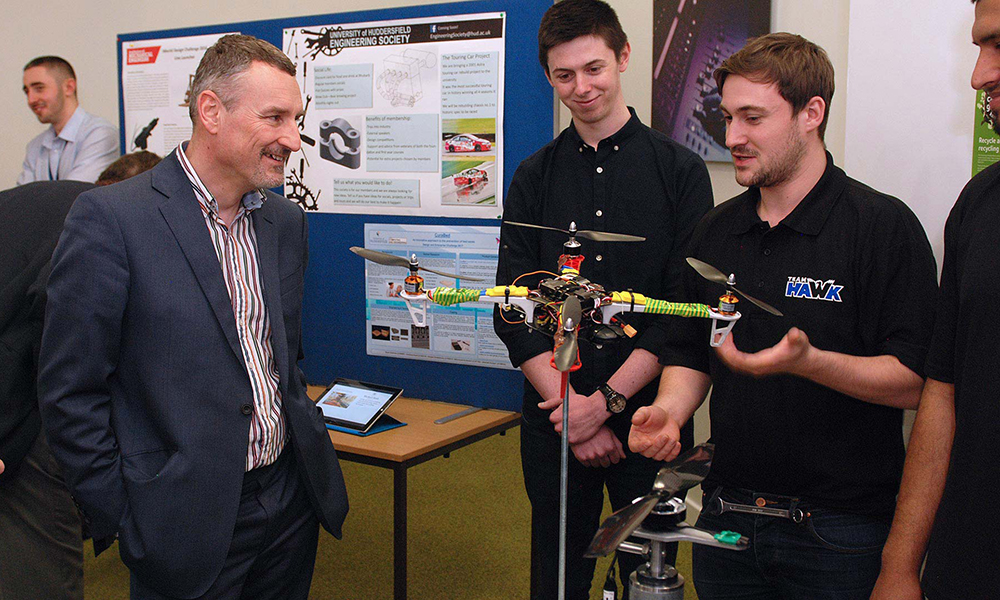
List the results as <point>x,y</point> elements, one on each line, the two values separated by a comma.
<point>540,308</point>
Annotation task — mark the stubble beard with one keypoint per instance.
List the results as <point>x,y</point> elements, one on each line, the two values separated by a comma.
<point>779,170</point>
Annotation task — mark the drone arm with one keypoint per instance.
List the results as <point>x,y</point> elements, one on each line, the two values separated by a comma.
<point>631,302</point>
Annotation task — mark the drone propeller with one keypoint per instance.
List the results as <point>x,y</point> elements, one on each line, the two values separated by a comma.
<point>716,276</point>
<point>391,260</point>
<point>595,236</point>
<point>570,316</point>
<point>681,474</point>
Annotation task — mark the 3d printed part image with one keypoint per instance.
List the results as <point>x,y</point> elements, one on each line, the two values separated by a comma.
<point>400,82</point>
<point>350,141</point>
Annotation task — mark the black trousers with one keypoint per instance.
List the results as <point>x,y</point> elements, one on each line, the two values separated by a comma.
<point>41,548</point>
<point>625,481</point>
<point>273,551</point>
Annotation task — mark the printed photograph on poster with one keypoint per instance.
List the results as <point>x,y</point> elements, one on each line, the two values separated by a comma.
<point>460,334</point>
<point>156,90</point>
<point>401,117</point>
<point>691,38</point>
<point>986,142</point>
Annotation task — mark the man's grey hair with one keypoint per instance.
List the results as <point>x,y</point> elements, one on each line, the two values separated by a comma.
<point>225,64</point>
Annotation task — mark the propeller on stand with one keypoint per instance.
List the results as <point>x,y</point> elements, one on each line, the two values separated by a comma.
<point>681,474</point>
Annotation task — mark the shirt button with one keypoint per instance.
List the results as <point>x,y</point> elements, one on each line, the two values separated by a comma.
<point>599,213</point>
<point>616,148</point>
<point>599,258</point>
<point>600,169</point>
<point>767,252</point>
<point>581,148</point>
<point>760,284</point>
<point>246,409</point>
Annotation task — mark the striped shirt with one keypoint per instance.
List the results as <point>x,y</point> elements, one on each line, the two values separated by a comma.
<point>236,247</point>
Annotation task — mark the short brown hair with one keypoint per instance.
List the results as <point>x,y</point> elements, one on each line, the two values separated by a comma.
<point>127,166</point>
<point>224,63</point>
<point>800,69</point>
<point>57,66</point>
<point>569,19</point>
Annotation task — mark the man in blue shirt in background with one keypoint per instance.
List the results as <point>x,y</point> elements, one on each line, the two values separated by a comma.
<point>78,145</point>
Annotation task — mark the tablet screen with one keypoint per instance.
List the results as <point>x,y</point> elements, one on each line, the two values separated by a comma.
<point>356,404</point>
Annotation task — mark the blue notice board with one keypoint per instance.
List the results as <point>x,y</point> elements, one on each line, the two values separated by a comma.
<point>334,305</point>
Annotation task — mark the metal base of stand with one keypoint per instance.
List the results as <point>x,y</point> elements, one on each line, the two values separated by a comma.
<point>642,586</point>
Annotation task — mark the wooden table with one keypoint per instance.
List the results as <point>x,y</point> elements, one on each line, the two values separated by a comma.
<point>418,442</point>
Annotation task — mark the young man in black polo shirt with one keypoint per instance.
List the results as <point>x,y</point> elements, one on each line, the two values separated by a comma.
<point>806,409</point>
<point>946,502</point>
<point>605,172</point>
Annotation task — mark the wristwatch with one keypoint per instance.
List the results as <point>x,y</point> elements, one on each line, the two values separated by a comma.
<point>615,401</point>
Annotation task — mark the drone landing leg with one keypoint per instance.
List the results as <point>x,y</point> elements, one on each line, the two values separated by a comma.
<point>719,333</point>
<point>419,315</point>
<point>563,485</point>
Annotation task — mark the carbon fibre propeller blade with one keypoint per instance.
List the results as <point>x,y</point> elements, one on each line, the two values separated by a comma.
<point>391,260</point>
<point>708,271</point>
<point>681,474</point>
<point>571,314</point>
<point>443,274</point>
<point>716,276</point>
<point>760,303</point>
<point>587,234</point>
<point>382,258</point>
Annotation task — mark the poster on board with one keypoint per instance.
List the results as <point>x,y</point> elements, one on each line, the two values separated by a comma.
<point>401,117</point>
<point>690,40</point>
<point>986,142</point>
<point>459,334</point>
<point>156,86</point>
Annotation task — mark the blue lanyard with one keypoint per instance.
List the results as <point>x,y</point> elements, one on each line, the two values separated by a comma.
<point>55,177</point>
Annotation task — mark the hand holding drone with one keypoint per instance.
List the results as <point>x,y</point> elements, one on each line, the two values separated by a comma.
<point>540,308</point>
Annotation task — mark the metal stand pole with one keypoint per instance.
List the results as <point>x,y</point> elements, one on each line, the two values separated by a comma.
<point>563,486</point>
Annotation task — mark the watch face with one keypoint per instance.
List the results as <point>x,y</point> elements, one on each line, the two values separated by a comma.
<point>616,402</point>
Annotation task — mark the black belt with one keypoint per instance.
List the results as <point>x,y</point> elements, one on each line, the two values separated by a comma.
<point>795,512</point>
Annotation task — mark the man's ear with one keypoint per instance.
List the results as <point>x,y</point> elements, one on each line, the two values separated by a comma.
<point>69,87</point>
<point>623,59</point>
<point>209,111</point>
<point>814,113</point>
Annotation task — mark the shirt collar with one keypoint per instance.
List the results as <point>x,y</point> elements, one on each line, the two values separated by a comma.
<point>619,138</point>
<point>252,200</point>
<point>72,127</point>
<point>812,211</point>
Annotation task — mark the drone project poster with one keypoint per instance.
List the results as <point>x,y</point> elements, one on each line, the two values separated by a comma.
<point>401,117</point>
<point>459,334</point>
<point>156,89</point>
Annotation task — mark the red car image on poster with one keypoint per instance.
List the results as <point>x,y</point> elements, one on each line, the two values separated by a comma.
<point>469,177</point>
<point>466,142</point>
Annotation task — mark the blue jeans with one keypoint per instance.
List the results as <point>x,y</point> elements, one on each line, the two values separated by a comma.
<point>832,555</point>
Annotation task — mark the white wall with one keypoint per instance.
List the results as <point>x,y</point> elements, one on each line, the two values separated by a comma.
<point>911,124</point>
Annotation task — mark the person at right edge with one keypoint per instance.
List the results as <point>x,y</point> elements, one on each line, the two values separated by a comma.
<point>607,172</point>
<point>946,502</point>
<point>806,409</point>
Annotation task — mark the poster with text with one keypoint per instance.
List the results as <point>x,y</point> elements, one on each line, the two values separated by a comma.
<point>401,117</point>
<point>986,143</point>
<point>461,334</point>
<point>690,41</point>
<point>156,90</point>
